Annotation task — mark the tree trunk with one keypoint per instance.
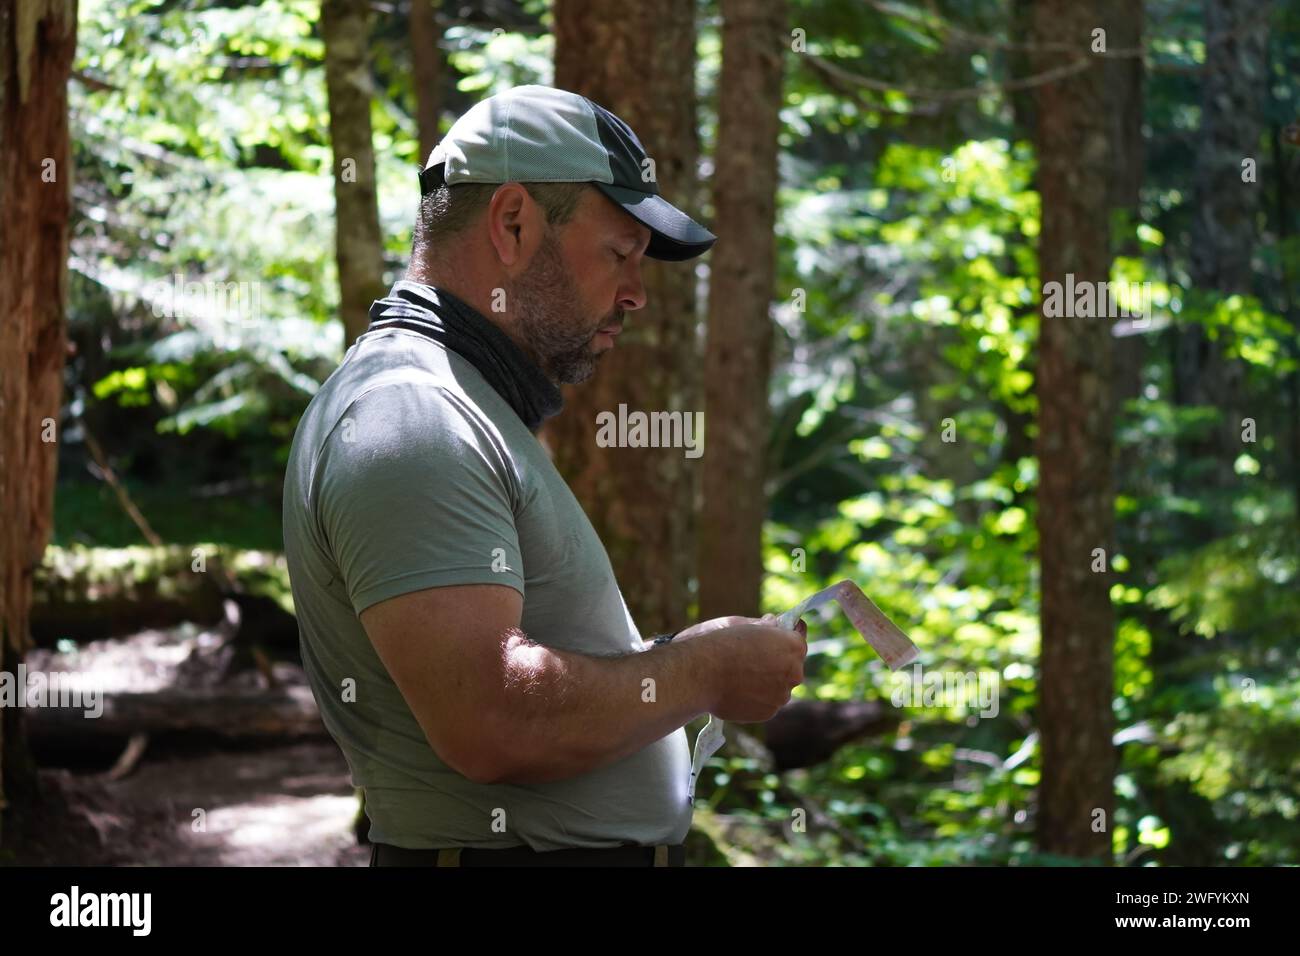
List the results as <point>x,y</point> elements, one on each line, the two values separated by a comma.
<point>359,246</point>
<point>426,72</point>
<point>1225,231</point>
<point>738,359</point>
<point>1075,450</point>
<point>640,500</point>
<point>37,42</point>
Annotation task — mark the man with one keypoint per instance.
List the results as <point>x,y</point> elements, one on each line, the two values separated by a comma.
<point>460,623</point>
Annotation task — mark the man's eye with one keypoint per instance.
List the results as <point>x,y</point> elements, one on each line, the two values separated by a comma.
<point>621,258</point>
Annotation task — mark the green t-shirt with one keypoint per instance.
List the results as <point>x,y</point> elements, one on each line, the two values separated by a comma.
<point>408,471</point>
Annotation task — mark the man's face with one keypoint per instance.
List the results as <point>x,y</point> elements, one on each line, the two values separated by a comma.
<point>570,301</point>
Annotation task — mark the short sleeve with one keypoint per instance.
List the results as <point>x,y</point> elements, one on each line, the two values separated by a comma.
<point>413,490</point>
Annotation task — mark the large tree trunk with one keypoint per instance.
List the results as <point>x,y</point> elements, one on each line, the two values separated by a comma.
<point>426,72</point>
<point>1075,498</point>
<point>1225,231</point>
<point>37,42</point>
<point>738,359</point>
<point>639,62</point>
<point>359,246</point>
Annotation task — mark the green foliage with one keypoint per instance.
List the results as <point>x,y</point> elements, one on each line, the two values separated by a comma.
<point>89,514</point>
<point>1242,585</point>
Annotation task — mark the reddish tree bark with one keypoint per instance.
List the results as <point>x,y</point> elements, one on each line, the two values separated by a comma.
<point>1075,452</point>
<point>37,42</point>
<point>640,500</point>
<point>738,359</point>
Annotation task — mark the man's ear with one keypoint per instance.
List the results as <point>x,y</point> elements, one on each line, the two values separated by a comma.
<point>514,225</point>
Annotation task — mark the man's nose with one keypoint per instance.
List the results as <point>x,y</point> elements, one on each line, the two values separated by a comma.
<point>631,294</point>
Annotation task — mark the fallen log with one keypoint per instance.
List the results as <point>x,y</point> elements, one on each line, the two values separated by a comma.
<point>281,713</point>
<point>87,594</point>
<point>805,733</point>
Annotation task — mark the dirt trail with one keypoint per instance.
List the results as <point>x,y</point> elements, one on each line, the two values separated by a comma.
<point>285,803</point>
<point>290,805</point>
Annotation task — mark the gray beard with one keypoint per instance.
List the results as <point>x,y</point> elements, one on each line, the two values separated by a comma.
<point>544,298</point>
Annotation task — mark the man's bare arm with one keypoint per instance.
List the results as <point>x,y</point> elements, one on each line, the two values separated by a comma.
<point>500,708</point>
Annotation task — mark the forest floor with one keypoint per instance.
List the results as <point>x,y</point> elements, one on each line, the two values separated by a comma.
<point>184,800</point>
<point>290,805</point>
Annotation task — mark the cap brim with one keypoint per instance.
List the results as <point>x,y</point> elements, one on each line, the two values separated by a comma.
<point>674,236</point>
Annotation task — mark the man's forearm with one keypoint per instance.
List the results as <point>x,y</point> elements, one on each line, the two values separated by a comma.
<point>569,713</point>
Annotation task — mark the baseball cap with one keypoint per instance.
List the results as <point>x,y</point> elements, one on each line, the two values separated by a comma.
<point>539,134</point>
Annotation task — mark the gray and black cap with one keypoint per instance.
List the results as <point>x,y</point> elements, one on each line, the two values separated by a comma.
<point>536,134</point>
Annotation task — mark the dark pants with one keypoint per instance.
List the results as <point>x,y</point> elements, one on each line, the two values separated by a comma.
<point>383,854</point>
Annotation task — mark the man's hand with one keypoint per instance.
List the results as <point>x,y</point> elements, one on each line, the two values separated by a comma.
<point>761,664</point>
